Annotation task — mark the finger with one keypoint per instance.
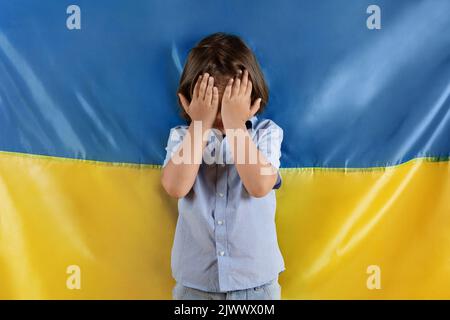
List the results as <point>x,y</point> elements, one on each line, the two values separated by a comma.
<point>197,86</point>
<point>244,82</point>
<point>215,97</point>
<point>255,107</point>
<point>228,88</point>
<point>208,95</point>
<point>203,84</point>
<point>184,102</point>
<point>249,88</point>
<point>236,86</point>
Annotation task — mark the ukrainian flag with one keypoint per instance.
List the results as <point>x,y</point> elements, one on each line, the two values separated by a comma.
<point>87,97</point>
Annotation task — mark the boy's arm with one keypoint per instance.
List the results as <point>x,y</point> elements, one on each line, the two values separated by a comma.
<point>178,176</point>
<point>258,177</point>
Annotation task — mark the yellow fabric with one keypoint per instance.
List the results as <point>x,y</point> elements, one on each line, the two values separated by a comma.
<point>115,222</point>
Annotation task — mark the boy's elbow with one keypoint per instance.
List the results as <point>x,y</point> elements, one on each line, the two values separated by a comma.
<point>258,194</point>
<point>259,190</point>
<point>262,188</point>
<point>176,193</point>
<point>173,189</point>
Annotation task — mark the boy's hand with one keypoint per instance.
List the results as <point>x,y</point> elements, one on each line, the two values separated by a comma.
<point>236,100</point>
<point>205,101</point>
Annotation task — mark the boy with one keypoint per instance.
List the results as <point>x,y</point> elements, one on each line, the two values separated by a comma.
<point>223,168</point>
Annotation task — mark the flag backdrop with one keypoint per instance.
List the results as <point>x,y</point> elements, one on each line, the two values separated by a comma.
<point>85,116</point>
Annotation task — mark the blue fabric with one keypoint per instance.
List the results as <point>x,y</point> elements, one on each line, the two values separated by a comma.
<point>226,239</point>
<point>346,96</point>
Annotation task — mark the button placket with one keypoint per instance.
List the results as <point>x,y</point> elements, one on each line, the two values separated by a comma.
<point>220,211</point>
<point>220,230</point>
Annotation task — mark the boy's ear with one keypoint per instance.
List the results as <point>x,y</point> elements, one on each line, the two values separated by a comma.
<point>184,102</point>
<point>255,107</point>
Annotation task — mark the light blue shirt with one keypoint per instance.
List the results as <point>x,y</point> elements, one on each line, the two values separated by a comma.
<point>226,239</point>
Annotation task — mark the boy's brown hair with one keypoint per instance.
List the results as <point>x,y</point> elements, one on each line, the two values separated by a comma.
<point>222,55</point>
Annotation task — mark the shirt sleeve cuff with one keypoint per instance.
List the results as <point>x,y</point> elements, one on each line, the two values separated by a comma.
<point>279,181</point>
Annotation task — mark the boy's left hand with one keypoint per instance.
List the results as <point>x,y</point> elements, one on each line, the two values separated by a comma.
<point>236,100</point>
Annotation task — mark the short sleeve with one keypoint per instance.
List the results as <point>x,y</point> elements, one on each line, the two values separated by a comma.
<point>270,137</point>
<point>176,136</point>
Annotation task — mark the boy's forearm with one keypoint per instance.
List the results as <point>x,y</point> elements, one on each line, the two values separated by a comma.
<point>178,176</point>
<point>258,175</point>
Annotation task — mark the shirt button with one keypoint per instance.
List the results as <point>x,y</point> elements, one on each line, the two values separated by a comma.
<point>220,194</point>
<point>221,253</point>
<point>220,222</point>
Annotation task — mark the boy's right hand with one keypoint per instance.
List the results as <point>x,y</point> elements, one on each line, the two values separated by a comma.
<point>205,101</point>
